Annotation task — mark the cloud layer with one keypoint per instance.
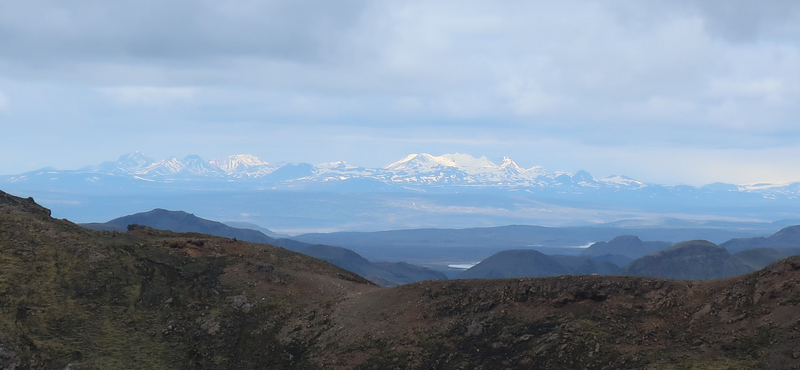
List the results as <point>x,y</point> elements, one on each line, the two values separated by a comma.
<point>552,83</point>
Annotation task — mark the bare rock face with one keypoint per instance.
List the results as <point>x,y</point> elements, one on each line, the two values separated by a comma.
<point>239,302</point>
<point>9,360</point>
<point>10,203</point>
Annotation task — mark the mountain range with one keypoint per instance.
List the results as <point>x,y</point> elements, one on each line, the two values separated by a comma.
<point>413,172</point>
<point>628,255</point>
<point>624,254</point>
<point>385,274</point>
<point>532,263</point>
<point>417,191</point>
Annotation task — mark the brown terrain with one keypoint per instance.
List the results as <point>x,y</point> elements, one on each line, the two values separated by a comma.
<point>73,298</point>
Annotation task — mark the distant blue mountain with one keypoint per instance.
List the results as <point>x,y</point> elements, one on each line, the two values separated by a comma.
<point>417,191</point>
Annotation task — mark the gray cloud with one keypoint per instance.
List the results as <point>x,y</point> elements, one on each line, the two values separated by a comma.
<point>707,75</point>
<point>173,30</point>
<point>749,21</point>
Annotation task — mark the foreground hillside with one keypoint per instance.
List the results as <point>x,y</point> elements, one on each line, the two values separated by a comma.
<point>81,299</point>
<point>151,299</point>
<point>384,274</point>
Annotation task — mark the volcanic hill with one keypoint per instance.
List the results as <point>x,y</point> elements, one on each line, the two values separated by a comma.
<point>73,298</point>
<point>384,274</point>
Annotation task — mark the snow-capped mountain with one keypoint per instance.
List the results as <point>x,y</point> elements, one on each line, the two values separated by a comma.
<point>130,163</point>
<point>169,166</point>
<point>191,165</point>
<point>418,172</point>
<point>463,169</point>
<point>142,166</point>
<point>243,165</point>
<point>419,190</point>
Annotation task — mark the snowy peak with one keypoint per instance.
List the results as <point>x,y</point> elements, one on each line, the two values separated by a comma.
<point>191,164</point>
<point>419,162</point>
<point>509,166</point>
<point>412,171</point>
<point>238,163</point>
<point>167,166</point>
<point>623,182</point>
<point>134,160</point>
<point>583,176</point>
<point>130,163</point>
<point>196,165</point>
<point>427,162</point>
<point>469,163</point>
<point>464,169</point>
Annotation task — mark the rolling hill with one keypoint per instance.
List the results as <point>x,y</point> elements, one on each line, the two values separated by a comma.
<point>786,238</point>
<point>626,245</point>
<point>532,263</point>
<point>74,298</point>
<point>691,260</point>
<point>180,221</point>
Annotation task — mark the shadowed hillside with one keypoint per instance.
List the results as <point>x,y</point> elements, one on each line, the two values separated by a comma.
<point>180,221</point>
<point>696,259</point>
<point>515,263</point>
<point>626,245</point>
<point>532,263</point>
<point>74,298</point>
<point>786,238</point>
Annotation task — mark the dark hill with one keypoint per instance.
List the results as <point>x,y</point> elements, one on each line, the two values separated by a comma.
<point>740,244</point>
<point>758,258</point>
<point>408,272</point>
<point>180,221</point>
<point>692,260</point>
<point>515,263</point>
<point>627,245</point>
<point>786,238</point>
<point>789,236</point>
<point>74,298</point>
<point>616,259</point>
<point>247,225</point>
<point>532,263</point>
<point>582,265</point>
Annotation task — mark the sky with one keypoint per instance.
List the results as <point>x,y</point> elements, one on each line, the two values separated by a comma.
<point>672,91</point>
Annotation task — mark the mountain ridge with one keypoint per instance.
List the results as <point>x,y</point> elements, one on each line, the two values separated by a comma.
<point>162,300</point>
<point>438,194</point>
<point>418,171</point>
<point>421,168</point>
<point>178,221</point>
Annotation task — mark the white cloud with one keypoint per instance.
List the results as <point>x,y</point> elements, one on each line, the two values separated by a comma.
<point>672,74</point>
<point>148,95</point>
<point>4,101</point>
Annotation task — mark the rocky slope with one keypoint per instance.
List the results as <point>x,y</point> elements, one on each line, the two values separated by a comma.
<point>180,221</point>
<point>76,298</point>
<point>146,299</point>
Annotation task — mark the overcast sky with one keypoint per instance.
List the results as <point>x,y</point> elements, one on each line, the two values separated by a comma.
<point>663,91</point>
